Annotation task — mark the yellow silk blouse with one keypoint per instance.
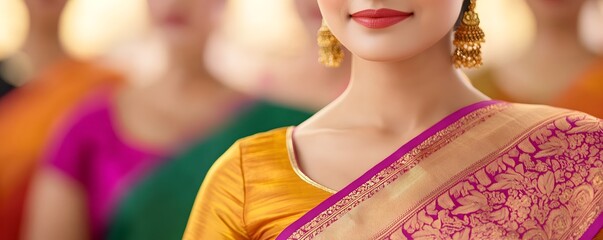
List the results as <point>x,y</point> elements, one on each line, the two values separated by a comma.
<point>258,189</point>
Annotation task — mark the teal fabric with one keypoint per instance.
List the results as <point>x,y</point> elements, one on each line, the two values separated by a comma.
<point>159,206</point>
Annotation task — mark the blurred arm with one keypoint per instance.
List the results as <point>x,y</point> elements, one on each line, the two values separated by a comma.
<point>56,208</point>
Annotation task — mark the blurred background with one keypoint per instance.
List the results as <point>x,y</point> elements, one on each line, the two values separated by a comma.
<point>112,111</point>
<point>91,28</point>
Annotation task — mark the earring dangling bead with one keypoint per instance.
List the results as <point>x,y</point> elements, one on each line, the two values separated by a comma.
<point>330,52</point>
<point>468,39</point>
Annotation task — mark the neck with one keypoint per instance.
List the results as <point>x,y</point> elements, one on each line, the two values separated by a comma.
<point>186,67</point>
<point>560,36</point>
<point>42,45</point>
<point>415,90</point>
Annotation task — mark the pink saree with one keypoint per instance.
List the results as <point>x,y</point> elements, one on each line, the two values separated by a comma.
<point>492,170</point>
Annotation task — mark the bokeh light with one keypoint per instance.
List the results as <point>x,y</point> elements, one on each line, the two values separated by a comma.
<point>92,27</point>
<point>13,26</point>
<point>509,28</point>
<point>266,25</point>
<point>592,27</point>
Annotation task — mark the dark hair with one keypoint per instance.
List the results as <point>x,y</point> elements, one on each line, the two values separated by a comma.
<point>463,10</point>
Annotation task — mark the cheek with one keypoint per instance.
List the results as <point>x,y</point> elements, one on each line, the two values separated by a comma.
<point>336,14</point>
<point>157,9</point>
<point>308,10</point>
<point>215,7</point>
<point>204,14</point>
<point>439,17</point>
<point>201,24</point>
<point>444,17</point>
<point>438,12</point>
<point>332,9</point>
<point>433,20</point>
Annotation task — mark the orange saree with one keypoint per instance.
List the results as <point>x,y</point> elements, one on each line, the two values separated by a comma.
<point>27,116</point>
<point>585,94</point>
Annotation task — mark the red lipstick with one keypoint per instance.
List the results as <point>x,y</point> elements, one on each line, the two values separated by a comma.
<point>175,20</point>
<point>380,18</point>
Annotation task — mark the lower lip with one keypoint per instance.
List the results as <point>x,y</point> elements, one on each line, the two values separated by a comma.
<point>175,21</point>
<point>381,22</point>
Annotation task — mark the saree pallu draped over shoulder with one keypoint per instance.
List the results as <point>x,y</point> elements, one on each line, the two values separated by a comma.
<point>495,171</point>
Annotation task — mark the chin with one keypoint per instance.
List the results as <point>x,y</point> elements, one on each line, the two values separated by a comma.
<point>382,58</point>
<point>386,55</point>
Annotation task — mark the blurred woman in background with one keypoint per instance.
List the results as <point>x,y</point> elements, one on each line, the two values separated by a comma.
<point>42,47</point>
<point>117,138</point>
<point>558,69</point>
<point>50,83</point>
<point>109,174</point>
<point>294,78</point>
<point>158,208</point>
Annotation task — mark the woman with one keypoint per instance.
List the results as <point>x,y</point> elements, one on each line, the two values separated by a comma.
<point>42,47</point>
<point>146,213</point>
<point>118,138</point>
<point>27,119</point>
<point>558,69</point>
<point>468,168</point>
<point>50,84</point>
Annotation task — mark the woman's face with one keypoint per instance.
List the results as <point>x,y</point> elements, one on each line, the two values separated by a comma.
<point>398,31</point>
<point>184,22</point>
<point>556,10</point>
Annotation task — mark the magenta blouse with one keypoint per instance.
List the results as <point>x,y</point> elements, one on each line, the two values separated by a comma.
<point>91,153</point>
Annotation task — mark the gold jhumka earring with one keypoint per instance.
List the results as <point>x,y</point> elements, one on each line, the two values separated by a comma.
<point>330,53</point>
<point>468,40</point>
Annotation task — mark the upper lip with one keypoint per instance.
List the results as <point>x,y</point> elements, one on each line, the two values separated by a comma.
<point>380,13</point>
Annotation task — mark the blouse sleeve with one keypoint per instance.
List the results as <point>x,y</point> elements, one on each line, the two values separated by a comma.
<point>219,208</point>
<point>70,149</point>
<point>77,137</point>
